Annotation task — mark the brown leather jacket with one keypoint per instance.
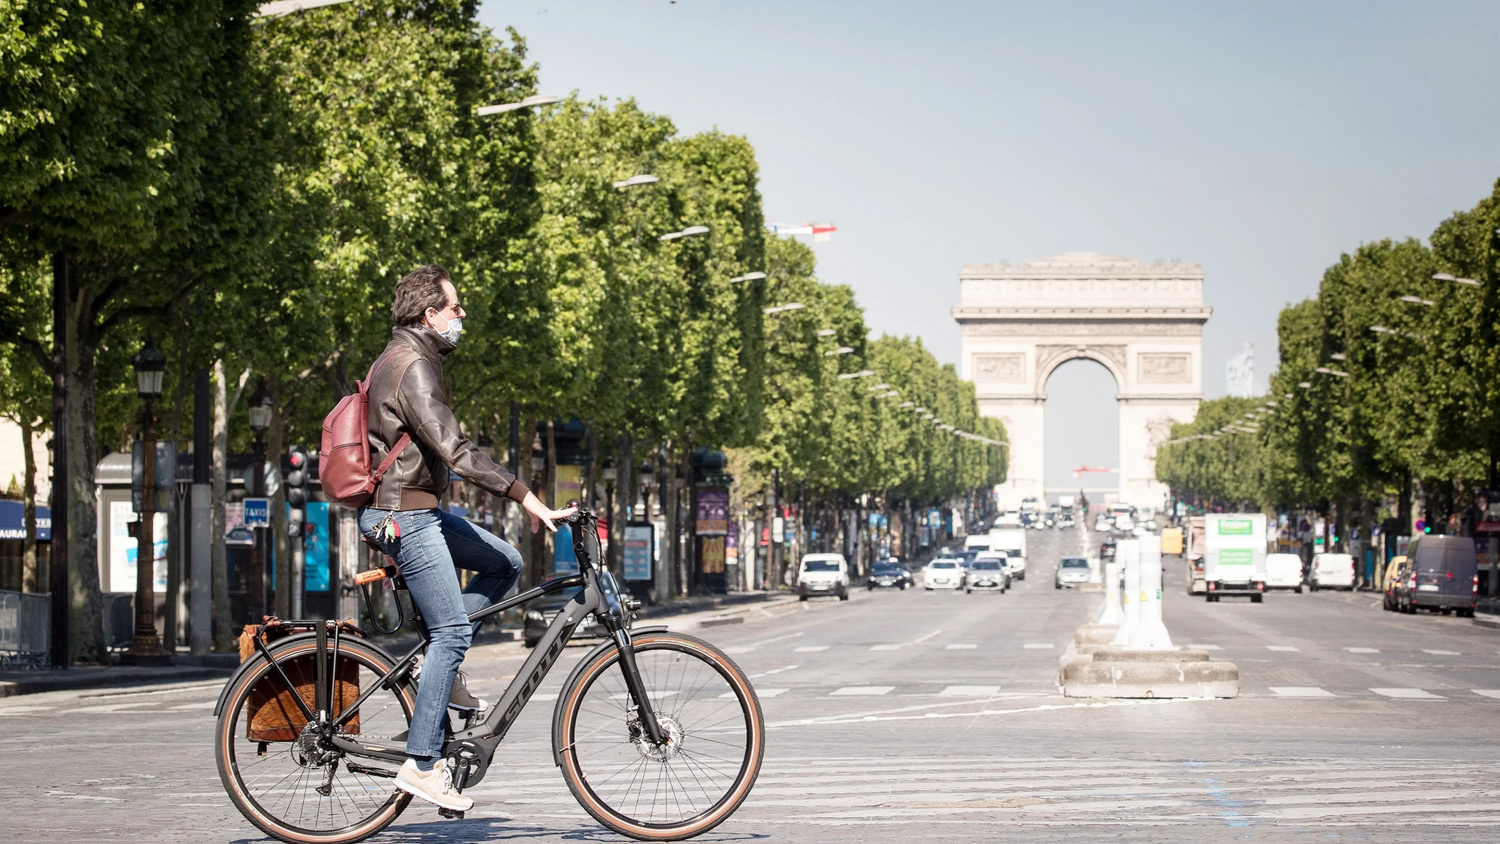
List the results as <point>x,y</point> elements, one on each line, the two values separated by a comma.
<point>407,397</point>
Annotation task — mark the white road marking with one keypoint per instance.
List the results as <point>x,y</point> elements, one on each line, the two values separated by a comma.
<point>959,647</point>
<point>1363,650</point>
<point>810,649</point>
<point>545,696</point>
<point>920,639</point>
<point>758,693</point>
<point>1441,653</point>
<point>1289,648</point>
<point>111,707</point>
<point>1038,646</point>
<point>739,649</point>
<point>886,648</point>
<point>1301,691</point>
<point>202,704</point>
<point>23,710</point>
<point>773,671</point>
<point>1494,693</point>
<point>970,691</point>
<point>861,691</point>
<point>1408,694</point>
<point>1204,648</point>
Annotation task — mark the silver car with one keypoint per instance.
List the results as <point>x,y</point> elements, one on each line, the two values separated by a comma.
<point>988,573</point>
<point>1071,572</point>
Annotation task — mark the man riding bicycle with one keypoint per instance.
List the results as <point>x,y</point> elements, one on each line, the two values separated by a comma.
<point>407,397</point>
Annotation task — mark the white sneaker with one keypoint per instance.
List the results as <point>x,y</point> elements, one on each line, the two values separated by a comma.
<point>434,786</point>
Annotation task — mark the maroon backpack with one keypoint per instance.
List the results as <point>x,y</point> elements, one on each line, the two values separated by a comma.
<point>344,461</point>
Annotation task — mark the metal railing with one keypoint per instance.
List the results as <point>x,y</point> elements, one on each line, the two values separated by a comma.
<point>25,629</point>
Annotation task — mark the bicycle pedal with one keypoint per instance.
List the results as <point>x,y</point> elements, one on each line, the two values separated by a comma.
<point>452,814</point>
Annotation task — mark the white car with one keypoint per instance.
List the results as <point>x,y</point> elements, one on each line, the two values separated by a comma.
<point>1071,572</point>
<point>1124,522</point>
<point>943,574</point>
<point>823,574</point>
<point>1103,524</point>
<point>1332,571</point>
<point>1016,565</point>
<point>1284,571</point>
<point>988,571</point>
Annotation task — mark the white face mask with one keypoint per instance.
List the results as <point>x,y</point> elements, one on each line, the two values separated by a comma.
<point>454,330</point>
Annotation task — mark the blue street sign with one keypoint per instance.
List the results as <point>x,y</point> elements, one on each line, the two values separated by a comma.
<point>257,512</point>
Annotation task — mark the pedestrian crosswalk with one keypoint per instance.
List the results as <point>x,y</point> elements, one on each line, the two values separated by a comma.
<point>1085,793</point>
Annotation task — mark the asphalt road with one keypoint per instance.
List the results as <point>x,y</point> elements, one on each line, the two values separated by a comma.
<point>922,713</point>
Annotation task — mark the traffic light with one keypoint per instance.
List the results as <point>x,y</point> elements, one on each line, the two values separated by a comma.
<point>296,489</point>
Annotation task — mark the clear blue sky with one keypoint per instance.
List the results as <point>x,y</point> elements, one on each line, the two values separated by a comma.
<point>1258,139</point>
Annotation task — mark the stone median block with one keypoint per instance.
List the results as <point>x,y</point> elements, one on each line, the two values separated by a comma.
<point>1115,653</point>
<point>1095,634</point>
<point>1114,679</point>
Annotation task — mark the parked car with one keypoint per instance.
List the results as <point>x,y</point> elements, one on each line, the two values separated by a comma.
<point>539,615</point>
<point>988,572</point>
<point>1071,571</point>
<point>1332,571</point>
<point>823,574</point>
<point>1283,571</point>
<point>1444,575</point>
<point>889,575</point>
<point>943,574</point>
<point>1395,573</point>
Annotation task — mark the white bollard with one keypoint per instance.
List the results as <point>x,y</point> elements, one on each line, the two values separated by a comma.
<point>1150,633</point>
<point>1109,611</point>
<point>1128,554</point>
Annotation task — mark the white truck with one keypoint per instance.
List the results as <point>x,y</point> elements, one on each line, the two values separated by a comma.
<point>1234,558</point>
<point>1013,542</point>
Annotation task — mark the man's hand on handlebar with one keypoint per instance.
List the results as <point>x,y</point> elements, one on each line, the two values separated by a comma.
<point>541,515</point>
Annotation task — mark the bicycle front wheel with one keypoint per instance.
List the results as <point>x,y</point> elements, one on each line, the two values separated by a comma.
<point>692,783</point>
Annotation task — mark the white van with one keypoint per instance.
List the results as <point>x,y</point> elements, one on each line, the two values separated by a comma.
<point>980,541</point>
<point>1284,571</point>
<point>823,574</point>
<point>1332,571</point>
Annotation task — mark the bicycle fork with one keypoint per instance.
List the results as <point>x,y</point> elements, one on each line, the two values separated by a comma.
<point>637,688</point>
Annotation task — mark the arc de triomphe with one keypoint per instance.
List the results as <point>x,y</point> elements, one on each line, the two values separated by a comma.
<point>1143,322</point>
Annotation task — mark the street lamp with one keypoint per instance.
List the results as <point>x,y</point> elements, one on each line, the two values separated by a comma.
<point>790,306</point>
<point>1418,300</point>
<point>826,332</point>
<point>530,102</point>
<point>145,647</point>
<point>863,373</point>
<point>755,276</point>
<point>1448,277</point>
<point>641,179</point>
<point>690,231</point>
<point>260,419</point>
<point>841,350</point>
<point>1306,385</point>
<point>286,7</point>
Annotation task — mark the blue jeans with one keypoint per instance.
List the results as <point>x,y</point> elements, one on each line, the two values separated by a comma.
<point>432,546</point>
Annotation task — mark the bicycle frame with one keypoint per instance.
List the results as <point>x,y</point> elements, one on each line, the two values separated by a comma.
<point>477,744</point>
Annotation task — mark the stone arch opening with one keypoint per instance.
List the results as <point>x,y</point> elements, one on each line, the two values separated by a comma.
<point>1081,428</point>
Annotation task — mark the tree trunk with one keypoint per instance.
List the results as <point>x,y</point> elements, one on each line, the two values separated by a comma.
<point>624,503</point>
<point>85,601</point>
<point>223,636</point>
<point>666,485</point>
<point>30,579</point>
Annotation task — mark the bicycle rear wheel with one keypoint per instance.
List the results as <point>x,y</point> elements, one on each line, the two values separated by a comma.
<point>716,732</point>
<point>292,785</point>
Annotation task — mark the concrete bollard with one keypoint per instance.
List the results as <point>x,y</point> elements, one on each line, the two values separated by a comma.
<point>1109,611</point>
<point>1149,634</point>
<point>1128,554</point>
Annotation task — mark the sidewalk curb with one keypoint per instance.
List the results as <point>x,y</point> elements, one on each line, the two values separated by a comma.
<point>74,679</point>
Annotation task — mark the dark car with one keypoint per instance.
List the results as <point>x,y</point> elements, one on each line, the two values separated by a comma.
<point>539,615</point>
<point>1444,575</point>
<point>889,575</point>
<point>1107,548</point>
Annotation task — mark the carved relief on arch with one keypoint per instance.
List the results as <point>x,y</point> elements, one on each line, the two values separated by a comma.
<point>1165,368</point>
<point>1000,368</point>
<point>1049,357</point>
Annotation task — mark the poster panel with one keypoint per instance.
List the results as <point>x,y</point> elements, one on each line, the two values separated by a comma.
<point>638,551</point>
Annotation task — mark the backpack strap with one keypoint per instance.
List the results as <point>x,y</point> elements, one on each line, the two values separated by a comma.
<point>401,444</point>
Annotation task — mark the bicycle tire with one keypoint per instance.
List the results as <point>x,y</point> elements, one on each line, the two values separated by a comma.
<point>231,735</point>
<point>660,657</point>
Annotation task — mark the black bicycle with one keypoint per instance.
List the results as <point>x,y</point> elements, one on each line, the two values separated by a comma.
<point>659,735</point>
